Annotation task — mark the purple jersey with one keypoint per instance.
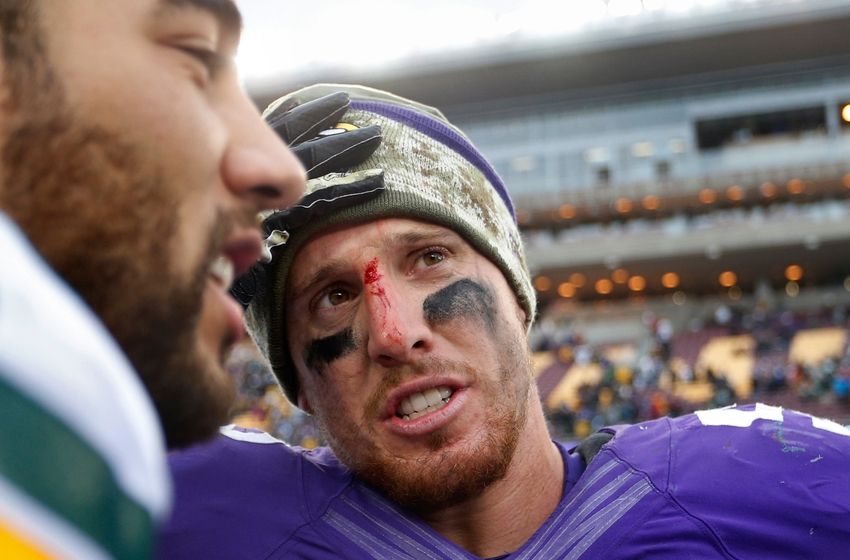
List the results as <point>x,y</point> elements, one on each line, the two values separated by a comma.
<point>742,482</point>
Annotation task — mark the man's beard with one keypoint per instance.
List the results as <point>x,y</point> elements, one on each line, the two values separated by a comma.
<point>105,218</point>
<point>440,477</point>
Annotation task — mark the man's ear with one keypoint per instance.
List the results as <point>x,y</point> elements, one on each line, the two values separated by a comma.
<point>520,312</point>
<point>303,402</point>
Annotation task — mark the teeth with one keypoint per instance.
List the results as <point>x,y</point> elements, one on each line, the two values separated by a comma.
<point>417,404</point>
<point>418,401</point>
<point>433,397</point>
<point>222,271</point>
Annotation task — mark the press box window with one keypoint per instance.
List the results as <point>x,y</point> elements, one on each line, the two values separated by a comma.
<point>744,129</point>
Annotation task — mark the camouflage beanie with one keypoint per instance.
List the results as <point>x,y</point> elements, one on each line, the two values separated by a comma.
<point>432,172</point>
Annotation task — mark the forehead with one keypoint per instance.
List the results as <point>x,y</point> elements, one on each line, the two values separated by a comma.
<point>224,11</point>
<point>103,51</point>
<point>346,246</point>
<point>97,14</point>
<point>384,234</point>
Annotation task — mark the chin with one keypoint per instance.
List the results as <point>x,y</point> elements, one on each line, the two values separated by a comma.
<point>445,479</point>
<point>194,397</point>
<point>447,474</point>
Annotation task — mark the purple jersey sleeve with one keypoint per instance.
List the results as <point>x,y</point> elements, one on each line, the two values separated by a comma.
<point>244,495</point>
<point>752,482</point>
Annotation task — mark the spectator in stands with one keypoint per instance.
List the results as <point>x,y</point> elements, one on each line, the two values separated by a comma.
<point>400,324</point>
<point>132,165</point>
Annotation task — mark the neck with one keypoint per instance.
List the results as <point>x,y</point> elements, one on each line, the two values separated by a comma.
<point>504,516</point>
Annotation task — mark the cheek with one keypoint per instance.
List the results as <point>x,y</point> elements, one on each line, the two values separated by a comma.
<point>332,401</point>
<point>196,218</point>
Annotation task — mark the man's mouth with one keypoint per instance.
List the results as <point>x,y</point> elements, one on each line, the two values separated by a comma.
<point>237,256</point>
<point>424,405</point>
<point>420,403</point>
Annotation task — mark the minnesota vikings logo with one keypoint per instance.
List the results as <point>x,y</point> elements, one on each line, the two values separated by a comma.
<point>339,128</point>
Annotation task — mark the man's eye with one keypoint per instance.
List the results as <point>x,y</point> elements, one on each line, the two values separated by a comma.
<point>209,59</point>
<point>334,297</point>
<point>432,257</point>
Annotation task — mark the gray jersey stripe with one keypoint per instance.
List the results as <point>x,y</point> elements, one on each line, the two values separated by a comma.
<point>591,528</point>
<point>390,533</point>
<point>629,500</point>
<point>356,534</point>
<point>443,547</point>
<point>555,525</point>
<point>591,504</point>
<point>580,520</point>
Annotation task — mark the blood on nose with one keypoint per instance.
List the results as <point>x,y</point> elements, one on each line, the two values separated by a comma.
<point>371,274</point>
<point>372,280</point>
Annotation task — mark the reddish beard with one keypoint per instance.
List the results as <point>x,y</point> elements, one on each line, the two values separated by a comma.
<point>448,473</point>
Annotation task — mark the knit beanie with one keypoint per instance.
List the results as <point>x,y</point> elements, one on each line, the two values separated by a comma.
<point>432,172</point>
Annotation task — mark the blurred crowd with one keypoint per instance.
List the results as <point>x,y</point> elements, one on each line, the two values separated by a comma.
<point>651,382</point>
<point>824,381</point>
<point>261,403</point>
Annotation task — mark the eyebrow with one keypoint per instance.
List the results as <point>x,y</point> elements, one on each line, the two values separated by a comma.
<point>332,268</point>
<point>427,233</point>
<point>225,11</point>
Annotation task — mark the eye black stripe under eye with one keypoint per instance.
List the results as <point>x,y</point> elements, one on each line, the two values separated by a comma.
<point>322,351</point>
<point>462,299</point>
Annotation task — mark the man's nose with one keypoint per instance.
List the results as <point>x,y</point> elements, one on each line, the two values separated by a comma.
<point>398,332</point>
